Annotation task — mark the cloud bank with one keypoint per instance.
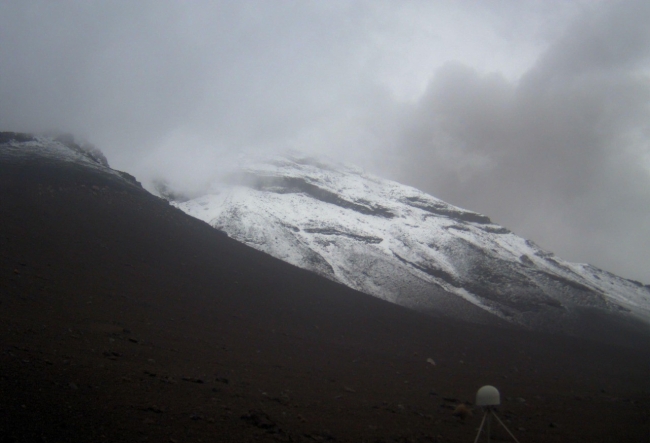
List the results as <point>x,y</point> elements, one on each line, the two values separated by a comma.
<point>561,155</point>
<point>534,113</point>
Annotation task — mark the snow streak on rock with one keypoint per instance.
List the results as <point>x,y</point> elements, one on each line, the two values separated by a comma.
<point>400,244</point>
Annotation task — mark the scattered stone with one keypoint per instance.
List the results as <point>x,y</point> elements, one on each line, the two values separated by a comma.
<point>325,435</point>
<point>258,419</point>
<point>283,400</point>
<point>431,361</point>
<point>462,412</point>
<point>112,355</point>
<point>193,380</point>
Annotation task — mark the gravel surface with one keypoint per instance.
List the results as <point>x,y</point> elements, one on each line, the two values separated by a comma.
<point>124,320</point>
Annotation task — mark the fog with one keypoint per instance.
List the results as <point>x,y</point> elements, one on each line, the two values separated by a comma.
<point>535,113</point>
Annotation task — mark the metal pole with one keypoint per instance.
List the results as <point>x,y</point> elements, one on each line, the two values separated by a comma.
<point>508,430</point>
<point>489,420</point>
<point>480,428</point>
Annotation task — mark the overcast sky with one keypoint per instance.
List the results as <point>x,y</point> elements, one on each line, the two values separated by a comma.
<point>535,113</point>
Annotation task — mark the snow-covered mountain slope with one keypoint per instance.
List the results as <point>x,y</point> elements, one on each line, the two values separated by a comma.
<point>402,245</point>
<point>19,146</point>
<point>382,238</point>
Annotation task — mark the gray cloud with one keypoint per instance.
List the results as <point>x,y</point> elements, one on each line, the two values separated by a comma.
<point>553,144</point>
<point>560,156</point>
<point>138,76</point>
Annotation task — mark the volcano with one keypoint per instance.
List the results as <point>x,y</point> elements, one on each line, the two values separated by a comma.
<point>124,319</point>
<point>407,247</point>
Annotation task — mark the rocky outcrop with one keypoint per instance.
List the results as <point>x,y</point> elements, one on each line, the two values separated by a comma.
<point>405,246</point>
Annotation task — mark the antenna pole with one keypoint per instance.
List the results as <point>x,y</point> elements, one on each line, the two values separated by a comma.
<point>488,398</point>
<point>508,430</point>
<point>489,412</point>
<point>480,428</point>
<point>489,420</point>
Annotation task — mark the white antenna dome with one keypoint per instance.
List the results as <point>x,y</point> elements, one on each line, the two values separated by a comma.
<point>488,396</point>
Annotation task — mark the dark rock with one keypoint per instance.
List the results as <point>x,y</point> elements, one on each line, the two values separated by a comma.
<point>7,137</point>
<point>192,380</point>
<point>259,419</point>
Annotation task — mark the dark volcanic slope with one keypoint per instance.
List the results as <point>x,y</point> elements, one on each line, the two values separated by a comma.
<point>122,319</point>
